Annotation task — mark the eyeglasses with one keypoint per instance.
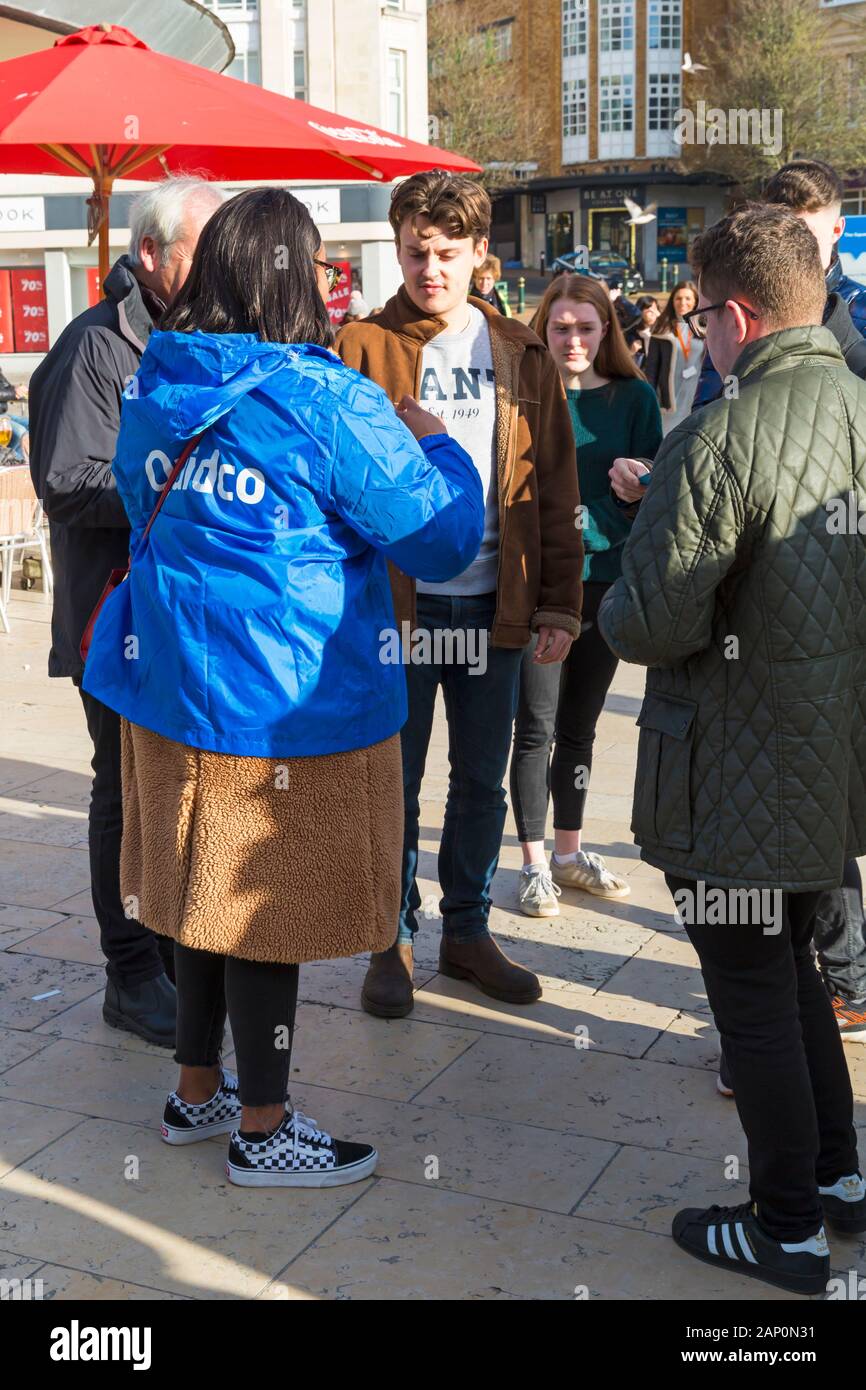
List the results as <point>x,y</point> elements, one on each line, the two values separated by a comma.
<point>697,318</point>
<point>335,273</point>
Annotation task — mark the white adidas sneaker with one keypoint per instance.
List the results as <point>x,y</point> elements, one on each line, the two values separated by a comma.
<point>589,872</point>
<point>537,893</point>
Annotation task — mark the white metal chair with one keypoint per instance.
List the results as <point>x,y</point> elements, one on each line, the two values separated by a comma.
<point>21,530</point>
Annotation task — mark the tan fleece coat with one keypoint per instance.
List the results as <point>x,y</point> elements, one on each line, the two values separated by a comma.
<point>269,859</point>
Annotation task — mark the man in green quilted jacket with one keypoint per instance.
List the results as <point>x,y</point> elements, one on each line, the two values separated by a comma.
<point>744,591</point>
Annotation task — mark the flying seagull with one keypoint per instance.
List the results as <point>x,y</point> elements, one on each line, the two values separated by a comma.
<point>689,66</point>
<point>638,216</point>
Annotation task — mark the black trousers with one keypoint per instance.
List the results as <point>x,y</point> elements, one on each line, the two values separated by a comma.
<point>559,704</point>
<point>788,1068</point>
<point>840,937</point>
<point>133,954</point>
<point>260,999</point>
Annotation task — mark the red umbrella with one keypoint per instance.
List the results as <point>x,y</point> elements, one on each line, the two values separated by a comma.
<point>101,103</point>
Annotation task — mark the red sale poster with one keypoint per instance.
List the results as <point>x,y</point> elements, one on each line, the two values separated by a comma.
<point>338,301</point>
<point>6,338</point>
<point>94,289</point>
<point>29,309</point>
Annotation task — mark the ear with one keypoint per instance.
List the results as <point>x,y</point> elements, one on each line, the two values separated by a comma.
<point>741,320</point>
<point>480,255</point>
<point>147,253</point>
<point>838,228</point>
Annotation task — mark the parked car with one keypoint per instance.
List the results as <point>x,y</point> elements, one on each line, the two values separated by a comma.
<point>568,262</point>
<point>603,265</point>
<point>607,265</point>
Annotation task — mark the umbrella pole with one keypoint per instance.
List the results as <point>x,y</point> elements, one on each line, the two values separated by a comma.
<point>102,189</point>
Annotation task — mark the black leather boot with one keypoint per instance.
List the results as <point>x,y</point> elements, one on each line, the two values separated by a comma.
<point>148,1010</point>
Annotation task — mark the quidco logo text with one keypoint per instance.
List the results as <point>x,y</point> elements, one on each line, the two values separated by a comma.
<point>77,1343</point>
<point>209,474</point>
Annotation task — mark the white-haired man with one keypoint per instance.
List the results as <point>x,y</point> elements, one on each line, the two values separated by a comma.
<point>75,396</point>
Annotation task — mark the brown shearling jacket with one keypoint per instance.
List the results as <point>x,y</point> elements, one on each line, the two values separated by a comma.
<point>540,546</point>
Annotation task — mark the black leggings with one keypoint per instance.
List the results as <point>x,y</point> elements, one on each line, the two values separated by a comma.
<point>260,999</point>
<point>561,702</point>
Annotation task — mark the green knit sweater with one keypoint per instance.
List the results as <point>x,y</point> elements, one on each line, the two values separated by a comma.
<point>620,419</point>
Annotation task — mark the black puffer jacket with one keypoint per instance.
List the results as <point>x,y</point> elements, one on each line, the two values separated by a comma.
<point>75,396</point>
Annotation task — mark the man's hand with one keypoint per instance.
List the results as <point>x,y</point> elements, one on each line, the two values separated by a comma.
<point>624,479</point>
<point>418,420</point>
<point>554,644</point>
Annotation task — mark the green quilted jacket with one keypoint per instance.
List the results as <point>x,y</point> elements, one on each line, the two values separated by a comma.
<point>745,595</point>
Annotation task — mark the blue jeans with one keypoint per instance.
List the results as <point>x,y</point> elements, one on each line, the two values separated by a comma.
<point>480,711</point>
<point>19,429</point>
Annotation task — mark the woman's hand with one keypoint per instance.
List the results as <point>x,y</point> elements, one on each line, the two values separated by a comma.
<point>418,420</point>
<point>554,644</point>
<point>624,479</point>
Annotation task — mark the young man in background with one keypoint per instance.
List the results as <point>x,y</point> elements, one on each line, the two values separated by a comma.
<point>493,383</point>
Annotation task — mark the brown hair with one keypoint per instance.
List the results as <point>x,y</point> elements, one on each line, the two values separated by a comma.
<point>490,264</point>
<point>614,358</point>
<point>767,255</point>
<point>667,318</point>
<point>457,204</point>
<point>805,185</point>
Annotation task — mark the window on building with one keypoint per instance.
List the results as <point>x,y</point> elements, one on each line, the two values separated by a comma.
<point>665,23</point>
<point>246,66</point>
<point>663,100</point>
<point>397,91</point>
<point>854,203</point>
<point>500,39</point>
<point>574,27</point>
<point>616,104</point>
<point>574,107</point>
<point>300,75</point>
<point>233,5</point>
<point>616,26</point>
<point>854,77</point>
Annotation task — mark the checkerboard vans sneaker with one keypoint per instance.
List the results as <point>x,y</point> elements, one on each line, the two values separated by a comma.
<point>298,1155</point>
<point>183,1123</point>
<point>734,1238</point>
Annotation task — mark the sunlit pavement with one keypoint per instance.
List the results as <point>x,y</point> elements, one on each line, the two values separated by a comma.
<point>526,1153</point>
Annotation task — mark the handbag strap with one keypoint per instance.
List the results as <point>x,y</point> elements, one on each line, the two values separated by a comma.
<point>170,480</point>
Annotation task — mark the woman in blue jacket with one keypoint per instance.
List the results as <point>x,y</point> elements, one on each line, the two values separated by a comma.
<point>252,656</point>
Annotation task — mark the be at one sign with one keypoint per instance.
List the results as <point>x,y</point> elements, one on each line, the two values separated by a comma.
<point>22,214</point>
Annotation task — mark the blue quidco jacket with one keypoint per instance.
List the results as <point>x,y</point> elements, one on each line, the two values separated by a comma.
<point>710,383</point>
<point>256,615</point>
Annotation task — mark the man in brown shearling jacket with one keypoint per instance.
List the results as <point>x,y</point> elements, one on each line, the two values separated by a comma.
<point>494,385</point>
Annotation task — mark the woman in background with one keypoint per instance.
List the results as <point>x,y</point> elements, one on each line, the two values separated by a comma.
<point>613,414</point>
<point>673,361</point>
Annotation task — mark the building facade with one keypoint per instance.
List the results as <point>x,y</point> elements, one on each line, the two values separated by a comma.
<point>609,78</point>
<point>366,59</point>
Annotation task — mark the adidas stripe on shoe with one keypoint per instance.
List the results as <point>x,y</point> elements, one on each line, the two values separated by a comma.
<point>845,1205</point>
<point>733,1238</point>
<point>183,1123</point>
<point>298,1154</point>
